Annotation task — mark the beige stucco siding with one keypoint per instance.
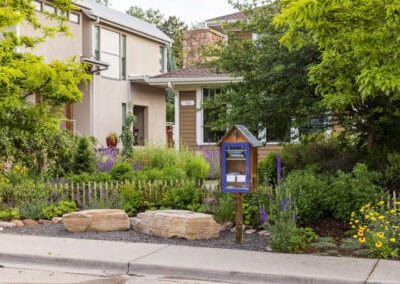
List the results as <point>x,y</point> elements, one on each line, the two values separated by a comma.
<point>59,47</point>
<point>155,101</point>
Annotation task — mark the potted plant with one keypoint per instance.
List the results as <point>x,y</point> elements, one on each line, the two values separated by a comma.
<point>112,140</point>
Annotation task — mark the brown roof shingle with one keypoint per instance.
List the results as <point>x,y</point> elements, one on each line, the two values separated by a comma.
<point>191,72</point>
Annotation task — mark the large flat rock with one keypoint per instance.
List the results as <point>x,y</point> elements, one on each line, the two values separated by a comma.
<point>101,220</point>
<point>176,223</point>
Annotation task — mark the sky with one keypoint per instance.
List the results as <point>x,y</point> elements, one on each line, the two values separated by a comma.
<point>191,11</point>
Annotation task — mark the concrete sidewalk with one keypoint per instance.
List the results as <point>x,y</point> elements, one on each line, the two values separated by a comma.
<point>236,266</point>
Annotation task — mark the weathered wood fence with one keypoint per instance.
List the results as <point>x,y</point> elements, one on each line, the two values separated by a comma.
<point>95,194</point>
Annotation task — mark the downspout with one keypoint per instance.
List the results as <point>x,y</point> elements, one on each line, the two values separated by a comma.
<point>176,112</point>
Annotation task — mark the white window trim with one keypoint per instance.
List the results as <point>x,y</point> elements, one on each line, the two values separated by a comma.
<point>177,110</point>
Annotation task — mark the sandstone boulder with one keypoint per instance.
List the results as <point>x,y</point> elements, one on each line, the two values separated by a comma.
<point>101,220</point>
<point>30,222</point>
<point>176,223</point>
<point>18,223</point>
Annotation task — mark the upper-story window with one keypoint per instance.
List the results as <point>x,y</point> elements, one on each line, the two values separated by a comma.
<point>110,47</point>
<point>162,59</point>
<point>74,17</point>
<point>49,8</point>
<point>38,6</point>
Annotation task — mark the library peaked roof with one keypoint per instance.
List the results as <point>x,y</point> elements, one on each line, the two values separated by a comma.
<point>246,133</point>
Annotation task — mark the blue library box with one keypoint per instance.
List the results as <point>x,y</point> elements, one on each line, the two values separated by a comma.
<point>238,158</point>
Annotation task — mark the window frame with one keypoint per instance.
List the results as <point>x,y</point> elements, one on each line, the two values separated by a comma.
<point>48,5</point>
<point>78,22</point>
<point>201,120</point>
<point>162,59</point>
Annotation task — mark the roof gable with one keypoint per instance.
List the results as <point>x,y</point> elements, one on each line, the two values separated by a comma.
<point>246,134</point>
<point>122,19</point>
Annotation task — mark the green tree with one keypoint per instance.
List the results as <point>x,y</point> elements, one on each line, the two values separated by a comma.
<point>275,93</point>
<point>171,26</point>
<point>26,126</point>
<point>358,76</point>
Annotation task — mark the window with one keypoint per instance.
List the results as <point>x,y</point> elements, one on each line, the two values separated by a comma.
<point>96,42</point>
<point>110,47</point>
<point>209,116</point>
<point>49,8</point>
<point>38,6</point>
<point>162,59</point>
<point>123,57</point>
<point>74,18</point>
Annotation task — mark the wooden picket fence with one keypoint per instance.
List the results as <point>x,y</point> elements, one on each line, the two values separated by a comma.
<point>96,194</point>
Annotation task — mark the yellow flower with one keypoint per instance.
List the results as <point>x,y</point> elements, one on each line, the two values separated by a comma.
<point>353,227</point>
<point>355,236</point>
<point>381,202</point>
<point>393,240</point>
<point>353,214</point>
<point>360,233</point>
<point>381,217</point>
<point>361,239</point>
<point>373,218</point>
<point>380,234</point>
<point>378,244</point>
<point>16,167</point>
<point>357,221</point>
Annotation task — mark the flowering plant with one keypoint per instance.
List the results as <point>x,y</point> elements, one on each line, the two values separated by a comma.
<point>378,228</point>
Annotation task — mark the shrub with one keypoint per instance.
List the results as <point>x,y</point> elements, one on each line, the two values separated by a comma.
<point>31,209</point>
<point>84,156</point>
<point>211,155</point>
<point>130,199</point>
<point>122,171</point>
<point>377,228</point>
<point>267,171</point>
<point>60,209</point>
<point>286,237</point>
<point>308,192</point>
<point>195,166</point>
<point>9,214</point>
<point>392,172</point>
<point>225,211</point>
<point>86,177</point>
<point>321,156</point>
<point>351,190</point>
<point>183,197</point>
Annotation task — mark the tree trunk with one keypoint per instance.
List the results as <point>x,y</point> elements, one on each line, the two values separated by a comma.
<point>371,137</point>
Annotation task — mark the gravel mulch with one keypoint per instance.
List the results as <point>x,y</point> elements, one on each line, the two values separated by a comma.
<point>227,240</point>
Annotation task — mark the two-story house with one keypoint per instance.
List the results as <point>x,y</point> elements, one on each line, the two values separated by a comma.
<point>117,46</point>
<point>192,85</point>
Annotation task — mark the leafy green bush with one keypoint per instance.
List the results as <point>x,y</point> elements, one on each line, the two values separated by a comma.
<point>60,209</point>
<point>321,156</point>
<point>170,172</point>
<point>195,166</point>
<point>350,191</point>
<point>392,172</point>
<point>184,197</point>
<point>122,171</point>
<point>267,170</point>
<point>286,237</point>
<point>225,211</point>
<point>309,193</point>
<point>130,199</point>
<point>84,158</point>
<point>86,177</point>
<point>9,214</point>
<point>31,209</point>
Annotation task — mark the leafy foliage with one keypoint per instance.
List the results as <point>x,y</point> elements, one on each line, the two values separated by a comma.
<point>131,200</point>
<point>60,209</point>
<point>84,156</point>
<point>122,171</point>
<point>127,137</point>
<point>9,214</point>
<point>184,197</point>
<point>358,76</point>
<point>275,93</point>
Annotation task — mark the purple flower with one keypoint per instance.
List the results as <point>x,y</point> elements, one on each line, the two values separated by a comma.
<point>279,168</point>
<point>284,203</point>
<point>137,167</point>
<point>263,215</point>
<point>106,158</point>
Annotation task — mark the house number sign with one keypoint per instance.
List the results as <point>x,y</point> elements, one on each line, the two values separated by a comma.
<point>187,103</point>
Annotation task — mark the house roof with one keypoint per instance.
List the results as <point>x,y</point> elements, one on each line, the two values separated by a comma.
<point>134,24</point>
<point>246,133</point>
<point>191,72</point>
<point>235,16</point>
<point>186,76</point>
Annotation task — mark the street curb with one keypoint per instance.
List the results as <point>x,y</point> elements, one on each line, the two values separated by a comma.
<point>230,276</point>
<point>117,267</point>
